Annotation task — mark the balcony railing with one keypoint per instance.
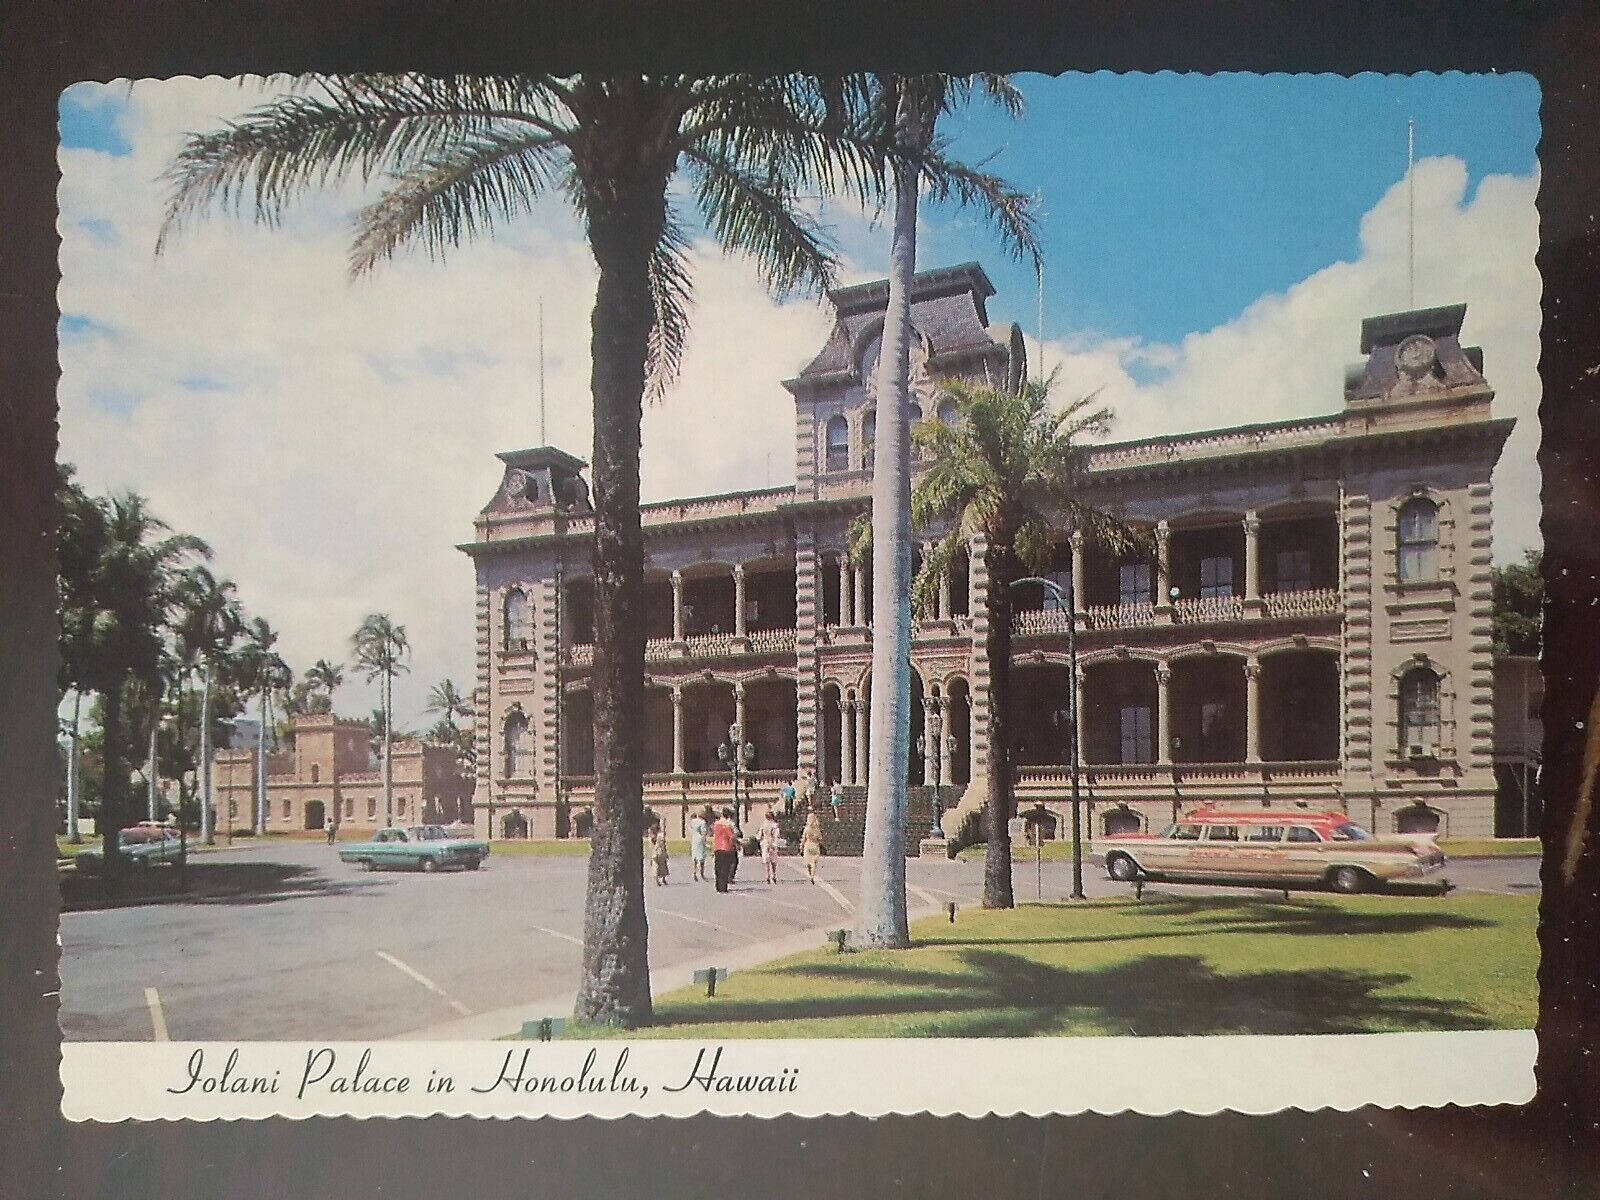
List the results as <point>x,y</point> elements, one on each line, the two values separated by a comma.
<point>1316,602</point>
<point>1035,622</point>
<point>700,645</point>
<point>1208,608</point>
<point>1119,616</point>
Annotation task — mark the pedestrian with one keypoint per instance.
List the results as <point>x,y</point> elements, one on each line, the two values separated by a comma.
<point>769,846</point>
<point>658,851</point>
<point>836,798</point>
<point>811,844</point>
<point>723,849</point>
<point>699,830</point>
<point>788,798</point>
<point>333,831</point>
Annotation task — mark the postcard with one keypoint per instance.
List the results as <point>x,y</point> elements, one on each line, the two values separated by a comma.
<point>603,596</point>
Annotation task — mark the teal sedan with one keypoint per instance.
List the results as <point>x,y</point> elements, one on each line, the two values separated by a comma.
<point>421,847</point>
<point>140,846</point>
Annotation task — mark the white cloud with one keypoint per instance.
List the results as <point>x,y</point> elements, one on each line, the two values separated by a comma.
<point>1284,356</point>
<point>334,439</point>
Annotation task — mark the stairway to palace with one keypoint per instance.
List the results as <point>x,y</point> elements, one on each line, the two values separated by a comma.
<point>843,834</point>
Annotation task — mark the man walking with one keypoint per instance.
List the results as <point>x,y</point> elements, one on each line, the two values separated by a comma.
<point>723,848</point>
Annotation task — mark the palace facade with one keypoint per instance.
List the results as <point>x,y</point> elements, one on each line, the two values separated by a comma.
<point>1314,626</point>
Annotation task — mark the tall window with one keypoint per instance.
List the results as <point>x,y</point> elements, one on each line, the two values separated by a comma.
<point>1418,541</point>
<point>288,809</point>
<point>837,455</point>
<point>1216,576</point>
<point>1136,745</point>
<point>372,807</point>
<point>349,806</point>
<point>1133,583</point>
<point>1294,570</point>
<point>869,436</point>
<point>517,746</point>
<point>1419,709</point>
<point>316,773</point>
<point>519,627</point>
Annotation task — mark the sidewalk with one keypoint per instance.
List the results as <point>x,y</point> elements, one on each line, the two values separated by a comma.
<point>503,1022</point>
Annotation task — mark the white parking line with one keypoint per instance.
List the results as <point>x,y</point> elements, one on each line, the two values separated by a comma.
<point>424,981</point>
<point>839,897</point>
<point>766,899</point>
<point>556,933</point>
<point>708,924</point>
<point>924,895</point>
<point>152,1000</point>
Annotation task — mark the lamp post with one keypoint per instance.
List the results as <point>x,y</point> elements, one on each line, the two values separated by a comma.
<point>737,756</point>
<point>1065,602</point>
<point>932,744</point>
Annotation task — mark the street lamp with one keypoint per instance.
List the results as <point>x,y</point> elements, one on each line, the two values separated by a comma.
<point>931,745</point>
<point>1065,602</point>
<point>737,756</point>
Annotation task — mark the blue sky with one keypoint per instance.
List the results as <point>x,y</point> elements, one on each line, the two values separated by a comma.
<point>1211,244</point>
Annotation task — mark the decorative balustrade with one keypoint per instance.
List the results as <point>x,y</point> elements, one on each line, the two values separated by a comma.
<point>1121,776</point>
<point>1119,616</point>
<point>700,645</point>
<point>1316,602</point>
<point>1208,608</point>
<point>1210,445</point>
<point>1035,622</point>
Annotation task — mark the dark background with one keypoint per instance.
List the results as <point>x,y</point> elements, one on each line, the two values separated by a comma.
<point>1551,1148</point>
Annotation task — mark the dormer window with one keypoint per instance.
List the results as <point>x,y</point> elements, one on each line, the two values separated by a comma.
<point>1418,541</point>
<point>837,453</point>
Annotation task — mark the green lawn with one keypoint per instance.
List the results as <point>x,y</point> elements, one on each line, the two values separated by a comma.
<point>1170,965</point>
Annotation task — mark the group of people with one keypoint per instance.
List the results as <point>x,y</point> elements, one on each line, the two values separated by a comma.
<point>716,835</point>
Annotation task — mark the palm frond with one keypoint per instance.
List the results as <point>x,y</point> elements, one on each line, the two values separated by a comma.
<point>1011,211</point>
<point>672,295</point>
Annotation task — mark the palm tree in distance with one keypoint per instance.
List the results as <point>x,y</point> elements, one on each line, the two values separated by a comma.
<point>380,647</point>
<point>209,623</point>
<point>262,671</point>
<point>1009,469</point>
<point>325,678</point>
<point>911,106</point>
<point>448,701</point>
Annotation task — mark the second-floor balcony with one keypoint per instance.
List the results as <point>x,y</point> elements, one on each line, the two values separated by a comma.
<point>700,646</point>
<point>1199,610</point>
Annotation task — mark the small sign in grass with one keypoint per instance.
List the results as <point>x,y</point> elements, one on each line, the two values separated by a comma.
<point>709,977</point>
<point>544,1028</point>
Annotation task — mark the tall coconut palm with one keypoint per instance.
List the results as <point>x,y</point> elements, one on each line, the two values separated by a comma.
<point>916,104</point>
<point>1009,470</point>
<point>460,156</point>
<point>325,678</point>
<point>448,701</point>
<point>261,670</point>
<point>380,647</point>
<point>80,544</point>
<point>208,625</point>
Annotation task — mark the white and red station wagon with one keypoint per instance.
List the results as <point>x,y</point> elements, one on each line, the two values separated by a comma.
<point>1272,846</point>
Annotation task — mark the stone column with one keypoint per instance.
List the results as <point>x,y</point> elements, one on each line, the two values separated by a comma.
<point>944,594</point>
<point>1252,710</point>
<point>738,600</point>
<point>861,595</point>
<point>1162,597</point>
<point>1164,715</point>
<point>1077,712</point>
<point>929,748</point>
<point>846,591</point>
<point>1252,563</point>
<point>863,740</point>
<point>677,728</point>
<point>945,734</point>
<point>677,606</point>
<point>847,741</point>
<point>1077,570</point>
<point>738,712</point>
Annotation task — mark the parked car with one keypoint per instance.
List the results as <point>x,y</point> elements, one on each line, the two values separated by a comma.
<point>142,845</point>
<point>1272,846</point>
<point>424,847</point>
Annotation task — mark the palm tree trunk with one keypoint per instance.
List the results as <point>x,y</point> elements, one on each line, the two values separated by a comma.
<point>882,918</point>
<point>155,725</point>
<point>74,769</point>
<point>113,783</point>
<point>616,970</point>
<point>206,834</point>
<point>997,651</point>
<point>259,825</point>
<point>388,748</point>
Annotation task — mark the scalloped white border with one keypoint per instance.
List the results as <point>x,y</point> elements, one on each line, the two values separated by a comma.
<point>115,1081</point>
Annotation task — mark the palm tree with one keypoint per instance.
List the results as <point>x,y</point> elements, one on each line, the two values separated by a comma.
<point>263,671</point>
<point>460,156</point>
<point>208,625</point>
<point>447,700</point>
<point>913,105</point>
<point>326,677</point>
<point>80,544</point>
<point>380,646</point>
<point>1008,470</point>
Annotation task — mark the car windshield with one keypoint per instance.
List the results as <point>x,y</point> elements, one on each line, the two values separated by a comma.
<point>1184,833</point>
<point>428,833</point>
<point>1349,832</point>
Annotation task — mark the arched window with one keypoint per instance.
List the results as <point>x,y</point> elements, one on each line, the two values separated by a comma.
<point>517,746</point>
<point>1418,541</point>
<point>519,630</point>
<point>1119,821</point>
<point>869,435</point>
<point>837,454</point>
<point>1419,711</point>
<point>947,411</point>
<point>1416,818</point>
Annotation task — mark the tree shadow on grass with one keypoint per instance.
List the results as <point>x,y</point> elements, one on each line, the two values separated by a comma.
<point>1004,995</point>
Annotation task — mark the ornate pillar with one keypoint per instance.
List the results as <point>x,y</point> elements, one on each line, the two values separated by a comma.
<point>1077,712</point>
<point>1164,715</point>
<point>863,741</point>
<point>738,712</point>
<point>929,748</point>
<point>846,591</point>
<point>944,594</point>
<point>1252,556</point>
<point>1163,589</point>
<point>677,727</point>
<point>1252,710</point>
<point>847,741</point>
<point>1077,571</point>
<point>945,734</point>
<point>860,573</point>
<point>738,601</point>
<point>677,606</point>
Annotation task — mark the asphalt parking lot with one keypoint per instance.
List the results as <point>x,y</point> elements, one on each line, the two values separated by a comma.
<point>281,941</point>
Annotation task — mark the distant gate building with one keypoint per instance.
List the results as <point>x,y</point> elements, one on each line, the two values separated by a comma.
<point>1314,626</point>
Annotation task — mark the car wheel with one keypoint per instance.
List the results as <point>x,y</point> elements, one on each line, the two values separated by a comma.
<point>1122,868</point>
<point>371,864</point>
<point>430,865</point>
<point>1348,881</point>
<point>475,864</point>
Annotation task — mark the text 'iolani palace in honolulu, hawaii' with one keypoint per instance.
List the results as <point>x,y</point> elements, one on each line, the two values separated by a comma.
<point>1315,625</point>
